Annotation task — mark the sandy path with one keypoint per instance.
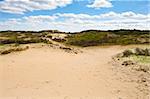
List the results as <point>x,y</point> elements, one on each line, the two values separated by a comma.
<point>46,73</point>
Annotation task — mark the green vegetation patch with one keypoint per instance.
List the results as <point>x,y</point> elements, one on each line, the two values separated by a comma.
<point>93,38</point>
<point>139,59</point>
<point>138,55</point>
<point>22,38</point>
<point>84,38</point>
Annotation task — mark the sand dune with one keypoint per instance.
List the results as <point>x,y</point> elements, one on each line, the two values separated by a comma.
<point>47,73</point>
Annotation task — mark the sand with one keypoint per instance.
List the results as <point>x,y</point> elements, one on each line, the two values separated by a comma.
<point>48,73</point>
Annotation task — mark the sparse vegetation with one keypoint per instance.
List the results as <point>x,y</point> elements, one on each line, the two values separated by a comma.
<point>84,38</point>
<point>11,37</point>
<point>136,52</point>
<point>15,49</point>
<point>138,59</point>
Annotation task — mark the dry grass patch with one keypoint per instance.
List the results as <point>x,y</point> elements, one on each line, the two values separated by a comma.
<point>13,49</point>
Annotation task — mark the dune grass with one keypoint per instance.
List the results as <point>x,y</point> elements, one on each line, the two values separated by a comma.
<point>12,49</point>
<point>138,58</point>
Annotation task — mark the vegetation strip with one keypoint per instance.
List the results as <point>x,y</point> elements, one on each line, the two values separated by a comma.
<point>84,38</point>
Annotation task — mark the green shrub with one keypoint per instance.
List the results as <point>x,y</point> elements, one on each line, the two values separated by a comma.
<point>147,52</point>
<point>127,53</point>
<point>139,51</point>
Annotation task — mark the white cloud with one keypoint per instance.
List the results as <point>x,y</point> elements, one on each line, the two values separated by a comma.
<point>40,18</point>
<point>78,22</point>
<point>100,4</point>
<point>22,6</point>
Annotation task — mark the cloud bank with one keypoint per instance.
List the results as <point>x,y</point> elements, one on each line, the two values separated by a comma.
<point>22,6</point>
<point>77,22</point>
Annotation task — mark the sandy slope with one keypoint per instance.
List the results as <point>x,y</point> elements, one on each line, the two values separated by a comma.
<point>47,73</point>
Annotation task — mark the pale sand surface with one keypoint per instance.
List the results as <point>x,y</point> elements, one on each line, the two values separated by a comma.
<point>47,73</point>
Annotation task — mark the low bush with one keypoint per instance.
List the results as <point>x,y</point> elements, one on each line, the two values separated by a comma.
<point>145,52</point>
<point>127,53</point>
<point>137,51</point>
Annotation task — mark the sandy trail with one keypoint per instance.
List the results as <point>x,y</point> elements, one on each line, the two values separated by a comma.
<point>47,73</point>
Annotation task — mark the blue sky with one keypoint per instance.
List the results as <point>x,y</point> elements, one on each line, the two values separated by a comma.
<point>74,15</point>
